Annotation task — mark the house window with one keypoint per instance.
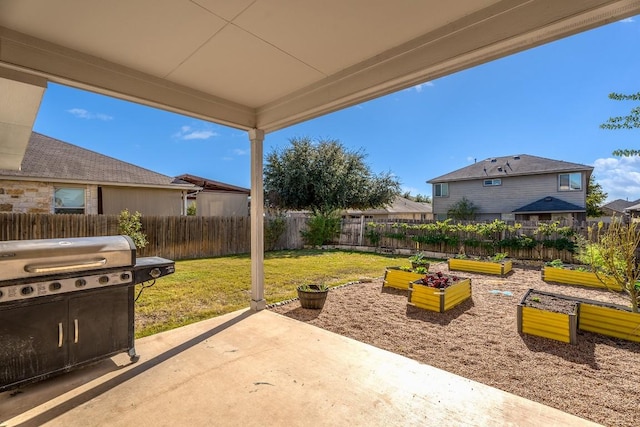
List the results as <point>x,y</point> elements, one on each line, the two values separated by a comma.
<point>441,190</point>
<point>492,182</point>
<point>570,181</point>
<point>69,200</point>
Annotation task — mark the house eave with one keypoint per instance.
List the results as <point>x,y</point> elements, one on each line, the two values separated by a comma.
<point>176,187</point>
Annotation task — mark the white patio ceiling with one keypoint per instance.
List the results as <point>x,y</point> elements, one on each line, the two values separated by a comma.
<point>269,64</point>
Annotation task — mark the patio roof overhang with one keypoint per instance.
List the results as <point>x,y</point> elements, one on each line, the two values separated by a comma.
<point>260,65</point>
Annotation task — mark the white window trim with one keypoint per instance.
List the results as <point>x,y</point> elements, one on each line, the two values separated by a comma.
<point>60,209</point>
<point>569,186</point>
<point>492,182</point>
<point>442,184</point>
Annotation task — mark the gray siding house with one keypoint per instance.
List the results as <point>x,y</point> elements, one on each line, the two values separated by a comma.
<point>58,177</point>
<point>518,187</point>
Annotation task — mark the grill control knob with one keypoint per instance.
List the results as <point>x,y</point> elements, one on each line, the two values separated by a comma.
<point>1,294</point>
<point>26,290</point>
<point>80,283</point>
<point>103,280</point>
<point>155,273</point>
<point>55,286</point>
<point>125,276</point>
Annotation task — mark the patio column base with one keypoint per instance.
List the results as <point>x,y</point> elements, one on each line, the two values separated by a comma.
<point>258,305</point>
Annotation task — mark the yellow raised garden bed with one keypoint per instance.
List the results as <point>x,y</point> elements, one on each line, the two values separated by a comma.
<point>542,322</point>
<point>396,278</point>
<point>577,277</point>
<point>440,300</point>
<point>613,321</point>
<point>480,266</point>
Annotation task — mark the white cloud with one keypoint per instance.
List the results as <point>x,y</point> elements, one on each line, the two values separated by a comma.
<point>81,113</point>
<point>418,88</point>
<point>240,152</point>
<point>187,133</point>
<point>627,20</point>
<point>619,177</point>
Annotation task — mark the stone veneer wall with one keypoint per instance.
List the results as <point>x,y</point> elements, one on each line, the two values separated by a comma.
<point>37,197</point>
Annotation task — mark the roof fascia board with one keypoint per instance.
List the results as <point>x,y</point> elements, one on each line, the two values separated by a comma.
<point>507,175</point>
<point>176,187</point>
<point>72,68</point>
<point>473,40</point>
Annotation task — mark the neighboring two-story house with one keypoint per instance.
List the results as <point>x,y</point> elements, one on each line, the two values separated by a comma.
<point>58,177</point>
<point>519,187</point>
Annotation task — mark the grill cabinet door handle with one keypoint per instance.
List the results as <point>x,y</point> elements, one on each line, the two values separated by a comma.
<point>60,335</point>
<point>56,268</point>
<point>75,334</point>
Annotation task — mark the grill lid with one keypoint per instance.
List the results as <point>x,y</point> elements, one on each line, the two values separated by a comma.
<point>34,258</point>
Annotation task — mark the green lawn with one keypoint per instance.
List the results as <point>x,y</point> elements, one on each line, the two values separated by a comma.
<point>205,288</point>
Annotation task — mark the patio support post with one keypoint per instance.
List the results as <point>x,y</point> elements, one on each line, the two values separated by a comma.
<point>256,136</point>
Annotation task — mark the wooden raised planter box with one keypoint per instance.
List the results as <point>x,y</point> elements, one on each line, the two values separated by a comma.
<point>577,277</point>
<point>534,318</point>
<point>439,300</point>
<point>478,266</point>
<point>394,277</point>
<point>609,319</point>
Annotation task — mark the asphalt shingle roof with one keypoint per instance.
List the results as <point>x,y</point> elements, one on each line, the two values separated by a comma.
<point>399,205</point>
<point>620,205</point>
<point>520,164</point>
<point>550,204</point>
<point>51,159</point>
<point>211,185</point>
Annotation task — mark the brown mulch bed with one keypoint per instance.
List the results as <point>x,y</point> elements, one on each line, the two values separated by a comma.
<point>597,378</point>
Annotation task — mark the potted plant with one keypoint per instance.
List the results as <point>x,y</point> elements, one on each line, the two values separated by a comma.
<point>497,264</point>
<point>312,296</point>
<point>439,292</point>
<point>548,315</point>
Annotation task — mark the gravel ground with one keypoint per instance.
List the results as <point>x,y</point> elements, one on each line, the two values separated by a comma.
<point>597,379</point>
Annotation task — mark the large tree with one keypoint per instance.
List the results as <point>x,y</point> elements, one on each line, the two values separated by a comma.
<point>630,121</point>
<point>595,197</point>
<point>323,176</point>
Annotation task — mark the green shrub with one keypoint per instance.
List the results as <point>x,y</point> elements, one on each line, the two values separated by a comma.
<point>321,229</point>
<point>274,228</point>
<point>131,225</point>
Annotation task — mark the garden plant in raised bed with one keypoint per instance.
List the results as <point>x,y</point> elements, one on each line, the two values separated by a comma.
<point>583,275</point>
<point>496,264</point>
<point>401,277</point>
<point>548,315</point>
<point>439,292</point>
<point>614,250</point>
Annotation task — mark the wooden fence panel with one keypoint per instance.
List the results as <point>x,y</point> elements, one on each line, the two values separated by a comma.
<point>188,237</point>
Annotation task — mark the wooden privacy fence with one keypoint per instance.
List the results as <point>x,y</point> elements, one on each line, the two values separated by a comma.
<point>189,237</point>
<point>175,237</point>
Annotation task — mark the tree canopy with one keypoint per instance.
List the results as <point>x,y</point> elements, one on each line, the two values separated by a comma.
<point>595,197</point>
<point>324,176</point>
<point>630,121</point>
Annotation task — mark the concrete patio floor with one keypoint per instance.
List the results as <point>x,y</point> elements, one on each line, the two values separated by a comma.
<point>250,369</point>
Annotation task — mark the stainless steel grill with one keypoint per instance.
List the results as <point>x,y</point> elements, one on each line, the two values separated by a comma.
<point>65,303</point>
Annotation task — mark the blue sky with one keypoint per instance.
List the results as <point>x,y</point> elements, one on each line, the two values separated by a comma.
<point>548,102</point>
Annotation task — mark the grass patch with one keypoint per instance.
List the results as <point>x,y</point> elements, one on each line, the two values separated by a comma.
<point>205,288</point>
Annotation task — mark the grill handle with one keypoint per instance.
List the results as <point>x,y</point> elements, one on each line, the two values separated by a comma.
<point>60,335</point>
<point>75,335</point>
<point>56,268</point>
